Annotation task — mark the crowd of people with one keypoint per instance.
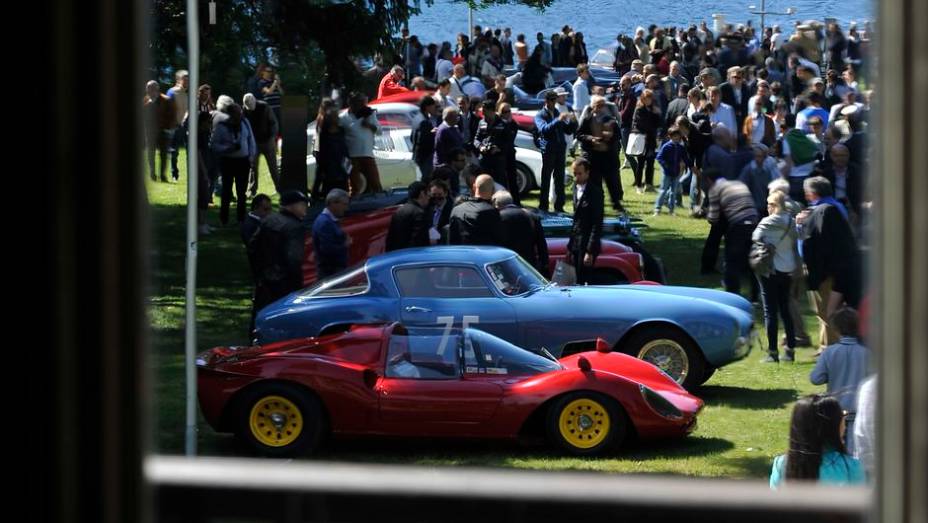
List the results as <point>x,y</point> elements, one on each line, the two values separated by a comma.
<point>766,135</point>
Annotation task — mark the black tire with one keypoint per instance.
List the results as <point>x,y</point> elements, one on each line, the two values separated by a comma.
<point>707,374</point>
<point>525,179</point>
<point>669,344</point>
<point>602,408</point>
<point>607,277</point>
<point>312,423</point>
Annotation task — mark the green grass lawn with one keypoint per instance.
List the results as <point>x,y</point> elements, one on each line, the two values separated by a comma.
<point>744,425</point>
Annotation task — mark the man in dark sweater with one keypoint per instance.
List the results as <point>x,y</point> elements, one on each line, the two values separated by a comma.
<point>277,250</point>
<point>474,220</point>
<point>265,127</point>
<point>730,202</point>
<point>831,255</point>
<point>522,232</point>
<point>409,226</point>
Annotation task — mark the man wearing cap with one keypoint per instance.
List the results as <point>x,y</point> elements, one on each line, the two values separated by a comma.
<point>708,77</point>
<point>582,87</point>
<point>277,251</point>
<point>637,69</point>
<point>409,226</point>
<point>552,127</point>
<point>264,124</point>
<point>330,243</point>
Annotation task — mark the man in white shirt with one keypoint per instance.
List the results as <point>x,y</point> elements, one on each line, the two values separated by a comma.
<point>722,113</point>
<point>582,87</point>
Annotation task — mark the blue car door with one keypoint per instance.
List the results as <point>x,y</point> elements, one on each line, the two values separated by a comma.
<point>451,296</point>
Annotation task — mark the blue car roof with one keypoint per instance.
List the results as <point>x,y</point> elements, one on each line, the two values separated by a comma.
<point>478,255</point>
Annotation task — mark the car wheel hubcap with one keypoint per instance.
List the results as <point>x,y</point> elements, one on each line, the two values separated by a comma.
<point>275,421</point>
<point>667,355</point>
<point>584,423</point>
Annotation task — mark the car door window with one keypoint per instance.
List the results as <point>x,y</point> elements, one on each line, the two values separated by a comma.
<point>423,357</point>
<point>441,282</point>
<point>383,143</point>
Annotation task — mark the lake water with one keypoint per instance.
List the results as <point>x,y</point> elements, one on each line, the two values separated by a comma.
<point>601,20</point>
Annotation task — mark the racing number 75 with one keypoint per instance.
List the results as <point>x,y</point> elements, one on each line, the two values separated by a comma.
<point>448,322</point>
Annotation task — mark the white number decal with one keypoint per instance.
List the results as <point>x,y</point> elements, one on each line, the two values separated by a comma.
<point>448,322</point>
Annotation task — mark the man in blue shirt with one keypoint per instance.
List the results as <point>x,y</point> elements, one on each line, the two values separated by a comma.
<point>843,366</point>
<point>330,243</point>
<point>815,101</point>
<point>552,126</point>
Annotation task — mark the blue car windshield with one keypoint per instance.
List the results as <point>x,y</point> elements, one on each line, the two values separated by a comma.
<point>496,356</point>
<point>514,276</point>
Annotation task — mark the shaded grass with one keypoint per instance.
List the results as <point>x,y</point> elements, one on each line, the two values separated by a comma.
<point>743,426</point>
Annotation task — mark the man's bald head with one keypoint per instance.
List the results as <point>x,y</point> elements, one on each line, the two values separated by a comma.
<point>484,187</point>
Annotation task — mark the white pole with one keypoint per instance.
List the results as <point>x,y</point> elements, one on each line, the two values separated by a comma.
<point>470,23</point>
<point>190,341</point>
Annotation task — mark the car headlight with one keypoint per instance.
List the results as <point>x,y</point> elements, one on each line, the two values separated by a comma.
<point>659,404</point>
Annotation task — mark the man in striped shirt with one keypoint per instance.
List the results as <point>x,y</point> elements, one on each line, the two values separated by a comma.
<point>730,203</point>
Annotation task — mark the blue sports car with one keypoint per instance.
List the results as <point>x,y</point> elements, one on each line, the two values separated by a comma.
<point>687,332</point>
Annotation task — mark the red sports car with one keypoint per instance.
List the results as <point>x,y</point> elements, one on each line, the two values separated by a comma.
<point>382,380</point>
<point>615,264</point>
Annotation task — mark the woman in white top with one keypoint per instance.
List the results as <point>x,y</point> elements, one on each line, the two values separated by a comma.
<point>778,231</point>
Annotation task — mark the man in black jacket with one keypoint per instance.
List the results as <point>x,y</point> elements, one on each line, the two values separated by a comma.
<point>522,232</point>
<point>265,127</point>
<point>831,255</point>
<point>423,138</point>
<point>587,230</point>
<point>409,226</point>
<point>260,207</point>
<point>845,177</point>
<point>474,221</point>
<point>439,210</point>
<point>736,94</point>
<point>278,249</point>
<point>678,106</point>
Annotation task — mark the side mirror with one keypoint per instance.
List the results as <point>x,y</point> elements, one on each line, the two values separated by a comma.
<point>370,378</point>
<point>584,364</point>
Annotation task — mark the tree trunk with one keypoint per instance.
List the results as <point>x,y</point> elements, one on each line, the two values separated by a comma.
<point>295,115</point>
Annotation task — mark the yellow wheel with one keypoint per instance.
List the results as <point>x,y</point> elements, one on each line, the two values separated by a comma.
<point>586,423</point>
<point>280,420</point>
<point>275,421</point>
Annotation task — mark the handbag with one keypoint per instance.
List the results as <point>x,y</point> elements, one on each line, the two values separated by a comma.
<point>761,256</point>
<point>636,142</point>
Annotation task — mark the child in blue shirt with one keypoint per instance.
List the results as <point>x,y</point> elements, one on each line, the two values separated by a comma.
<point>672,157</point>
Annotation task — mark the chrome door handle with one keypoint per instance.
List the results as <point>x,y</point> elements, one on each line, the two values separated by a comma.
<point>413,308</point>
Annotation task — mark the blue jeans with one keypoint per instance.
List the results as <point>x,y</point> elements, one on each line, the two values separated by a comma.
<point>178,140</point>
<point>774,293</point>
<point>668,192</point>
<point>688,182</point>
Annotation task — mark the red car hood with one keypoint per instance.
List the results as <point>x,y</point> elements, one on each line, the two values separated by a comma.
<point>638,371</point>
<point>409,97</point>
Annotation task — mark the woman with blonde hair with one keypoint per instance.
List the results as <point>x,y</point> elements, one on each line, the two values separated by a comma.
<point>778,232</point>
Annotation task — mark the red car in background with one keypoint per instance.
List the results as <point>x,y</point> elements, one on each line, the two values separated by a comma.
<point>524,121</point>
<point>616,263</point>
